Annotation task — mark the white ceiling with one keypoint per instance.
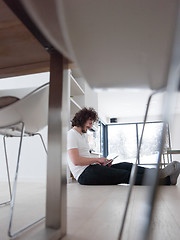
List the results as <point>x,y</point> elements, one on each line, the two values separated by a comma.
<point>130,103</point>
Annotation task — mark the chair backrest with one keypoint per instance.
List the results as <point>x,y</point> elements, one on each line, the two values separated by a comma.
<point>31,109</point>
<point>16,92</point>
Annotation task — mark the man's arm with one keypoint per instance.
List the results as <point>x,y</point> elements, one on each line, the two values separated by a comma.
<point>83,161</point>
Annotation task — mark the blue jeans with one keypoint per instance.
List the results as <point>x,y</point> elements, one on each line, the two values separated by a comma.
<point>116,174</point>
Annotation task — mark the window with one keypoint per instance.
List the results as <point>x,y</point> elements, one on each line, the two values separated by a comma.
<point>123,139</point>
<point>151,142</point>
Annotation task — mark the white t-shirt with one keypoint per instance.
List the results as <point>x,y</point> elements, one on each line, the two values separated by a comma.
<point>77,140</point>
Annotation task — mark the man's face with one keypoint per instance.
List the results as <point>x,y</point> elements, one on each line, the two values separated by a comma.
<point>88,125</point>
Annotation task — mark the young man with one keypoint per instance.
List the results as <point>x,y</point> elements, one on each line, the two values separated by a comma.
<point>100,171</point>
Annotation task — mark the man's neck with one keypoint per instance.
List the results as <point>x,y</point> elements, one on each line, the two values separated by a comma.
<point>78,129</point>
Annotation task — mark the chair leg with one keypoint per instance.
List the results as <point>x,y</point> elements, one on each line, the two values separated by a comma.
<point>10,234</point>
<point>8,175</point>
<point>42,140</point>
<point>134,168</point>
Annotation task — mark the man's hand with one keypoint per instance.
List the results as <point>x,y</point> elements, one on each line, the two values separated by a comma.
<point>104,161</point>
<point>109,164</point>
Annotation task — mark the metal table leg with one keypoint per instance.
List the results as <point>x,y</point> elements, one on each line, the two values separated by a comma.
<point>57,132</point>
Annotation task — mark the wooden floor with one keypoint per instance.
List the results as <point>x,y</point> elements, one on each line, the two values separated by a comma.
<point>95,212</point>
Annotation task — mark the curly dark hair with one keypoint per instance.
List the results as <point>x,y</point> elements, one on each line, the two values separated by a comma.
<point>83,115</point>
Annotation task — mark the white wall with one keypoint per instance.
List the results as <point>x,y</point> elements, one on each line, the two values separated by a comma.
<point>129,105</point>
<point>33,158</point>
<point>91,98</point>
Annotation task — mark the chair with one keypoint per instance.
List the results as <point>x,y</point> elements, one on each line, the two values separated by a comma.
<point>25,116</point>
